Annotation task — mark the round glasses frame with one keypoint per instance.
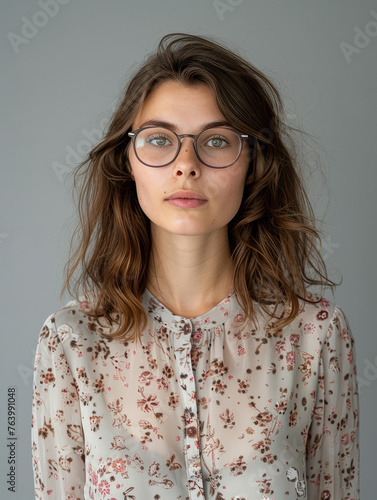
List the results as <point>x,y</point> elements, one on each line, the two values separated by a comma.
<point>242,137</point>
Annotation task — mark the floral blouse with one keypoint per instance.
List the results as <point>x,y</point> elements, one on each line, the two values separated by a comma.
<point>204,409</point>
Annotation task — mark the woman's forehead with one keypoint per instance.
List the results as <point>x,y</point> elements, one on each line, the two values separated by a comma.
<point>179,105</point>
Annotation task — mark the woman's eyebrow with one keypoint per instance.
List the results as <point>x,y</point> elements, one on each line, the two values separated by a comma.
<point>172,126</point>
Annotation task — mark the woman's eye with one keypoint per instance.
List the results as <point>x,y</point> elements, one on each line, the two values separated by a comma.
<point>161,141</point>
<point>216,142</point>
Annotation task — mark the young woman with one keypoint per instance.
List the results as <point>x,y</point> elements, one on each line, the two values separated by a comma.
<point>196,364</point>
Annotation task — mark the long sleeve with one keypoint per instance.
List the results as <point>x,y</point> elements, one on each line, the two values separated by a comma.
<point>332,452</point>
<point>56,432</point>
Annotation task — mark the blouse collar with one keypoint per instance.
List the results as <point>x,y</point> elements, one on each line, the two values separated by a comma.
<point>226,309</point>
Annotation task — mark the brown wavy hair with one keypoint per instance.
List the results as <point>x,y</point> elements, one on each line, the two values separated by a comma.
<point>272,237</point>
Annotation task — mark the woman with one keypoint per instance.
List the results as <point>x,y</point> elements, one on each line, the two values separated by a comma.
<point>214,372</point>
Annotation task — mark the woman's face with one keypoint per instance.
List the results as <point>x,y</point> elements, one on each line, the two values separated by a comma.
<point>189,108</point>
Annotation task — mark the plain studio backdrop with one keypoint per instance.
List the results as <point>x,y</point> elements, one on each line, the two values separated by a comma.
<point>63,64</point>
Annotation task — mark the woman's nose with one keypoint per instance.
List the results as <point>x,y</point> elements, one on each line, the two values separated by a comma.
<point>187,156</point>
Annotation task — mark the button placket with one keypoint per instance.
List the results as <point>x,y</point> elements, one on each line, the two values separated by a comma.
<point>191,420</point>
<point>181,337</point>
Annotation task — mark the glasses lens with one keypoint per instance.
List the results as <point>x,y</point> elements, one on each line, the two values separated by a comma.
<point>156,146</point>
<point>217,147</point>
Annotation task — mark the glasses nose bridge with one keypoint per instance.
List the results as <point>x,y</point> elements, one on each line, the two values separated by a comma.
<point>187,135</point>
<point>180,136</point>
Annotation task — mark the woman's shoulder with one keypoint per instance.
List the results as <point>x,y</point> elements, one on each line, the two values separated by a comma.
<point>318,318</point>
<point>312,308</point>
<point>316,308</point>
<point>69,320</point>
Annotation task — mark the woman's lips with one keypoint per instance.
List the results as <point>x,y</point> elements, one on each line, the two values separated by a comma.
<point>186,202</point>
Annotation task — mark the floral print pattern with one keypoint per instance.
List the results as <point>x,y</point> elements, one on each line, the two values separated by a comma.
<point>206,408</point>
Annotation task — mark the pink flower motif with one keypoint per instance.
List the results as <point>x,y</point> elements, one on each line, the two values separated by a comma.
<point>324,303</point>
<point>239,317</point>
<point>294,338</point>
<point>104,487</point>
<point>94,479</point>
<point>345,439</point>
<point>102,468</point>
<point>241,351</point>
<point>309,328</point>
<point>196,336</point>
<point>350,356</point>
<point>84,304</point>
<point>223,309</point>
<point>163,384</point>
<point>344,335</point>
<point>280,346</point>
<point>290,357</point>
<point>119,464</point>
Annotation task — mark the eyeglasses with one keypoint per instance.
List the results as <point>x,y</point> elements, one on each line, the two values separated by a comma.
<point>215,147</point>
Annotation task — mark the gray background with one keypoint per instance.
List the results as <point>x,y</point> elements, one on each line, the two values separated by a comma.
<point>59,86</point>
